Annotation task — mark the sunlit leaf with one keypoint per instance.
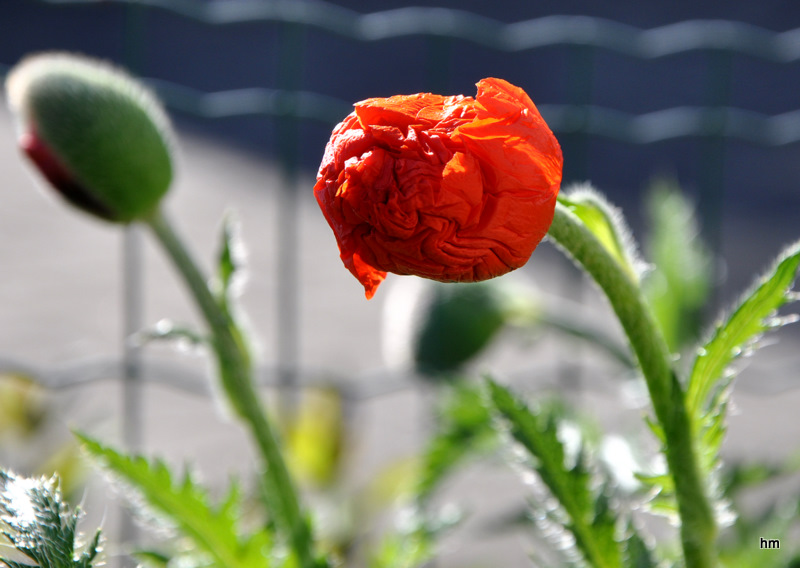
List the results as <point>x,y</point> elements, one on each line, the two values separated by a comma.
<point>229,278</point>
<point>706,396</point>
<point>40,526</point>
<point>463,429</point>
<point>186,504</point>
<point>752,318</point>
<point>607,225</point>
<point>587,510</point>
<point>411,543</point>
<point>152,558</point>
<point>230,261</point>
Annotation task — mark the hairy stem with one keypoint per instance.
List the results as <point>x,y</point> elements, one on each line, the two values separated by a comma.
<point>698,526</point>
<point>237,381</point>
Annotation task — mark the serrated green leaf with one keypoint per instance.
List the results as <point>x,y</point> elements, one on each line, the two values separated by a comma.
<point>606,223</point>
<point>412,545</point>
<point>40,526</point>
<point>464,428</point>
<point>663,480</point>
<point>187,505</point>
<point>590,518</point>
<point>706,396</point>
<point>746,324</point>
<point>679,283</point>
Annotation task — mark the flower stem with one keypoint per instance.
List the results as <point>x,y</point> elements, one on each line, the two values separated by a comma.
<point>237,381</point>
<point>698,526</point>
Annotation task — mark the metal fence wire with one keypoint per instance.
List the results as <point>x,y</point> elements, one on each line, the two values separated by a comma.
<point>289,105</point>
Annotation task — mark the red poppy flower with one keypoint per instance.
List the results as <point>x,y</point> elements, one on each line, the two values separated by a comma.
<point>453,189</point>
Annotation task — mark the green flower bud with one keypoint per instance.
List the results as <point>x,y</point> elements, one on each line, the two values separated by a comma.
<point>100,138</point>
<point>460,321</point>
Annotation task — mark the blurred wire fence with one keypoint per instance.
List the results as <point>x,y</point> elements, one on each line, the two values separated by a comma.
<point>289,105</point>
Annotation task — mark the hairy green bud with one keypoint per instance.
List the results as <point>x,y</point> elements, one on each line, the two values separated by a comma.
<point>99,137</point>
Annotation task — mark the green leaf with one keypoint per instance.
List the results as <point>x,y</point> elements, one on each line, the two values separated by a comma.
<point>679,283</point>
<point>706,394</point>
<point>412,544</point>
<point>464,428</point>
<point>186,504</point>
<point>152,558</point>
<point>40,526</point>
<point>229,261</point>
<point>402,550</point>
<point>606,223</point>
<point>587,511</point>
<point>230,264</point>
<point>743,327</point>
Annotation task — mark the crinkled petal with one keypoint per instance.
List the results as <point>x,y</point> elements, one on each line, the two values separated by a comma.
<point>448,188</point>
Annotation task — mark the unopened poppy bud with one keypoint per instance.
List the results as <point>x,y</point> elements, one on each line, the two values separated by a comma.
<point>460,321</point>
<point>101,139</point>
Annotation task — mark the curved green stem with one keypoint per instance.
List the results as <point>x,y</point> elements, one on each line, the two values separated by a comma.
<point>237,381</point>
<point>698,526</point>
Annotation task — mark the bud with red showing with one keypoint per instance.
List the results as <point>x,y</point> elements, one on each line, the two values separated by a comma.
<point>99,137</point>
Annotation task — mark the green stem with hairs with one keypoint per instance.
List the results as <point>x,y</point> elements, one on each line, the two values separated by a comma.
<point>698,525</point>
<point>236,375</point>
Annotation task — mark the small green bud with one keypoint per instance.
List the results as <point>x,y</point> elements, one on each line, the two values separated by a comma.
<point>460,321</point>
<point>99,137</point>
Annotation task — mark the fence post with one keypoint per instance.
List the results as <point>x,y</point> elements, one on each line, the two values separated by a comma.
<point>132,298</point>
<point>290,56</point>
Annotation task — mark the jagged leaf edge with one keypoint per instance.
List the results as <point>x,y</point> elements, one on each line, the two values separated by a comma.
<point>184,502</point>
<point>709,383</point>
<point>585,521</point>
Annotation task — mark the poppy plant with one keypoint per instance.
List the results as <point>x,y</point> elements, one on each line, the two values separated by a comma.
<point>455,189</point>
